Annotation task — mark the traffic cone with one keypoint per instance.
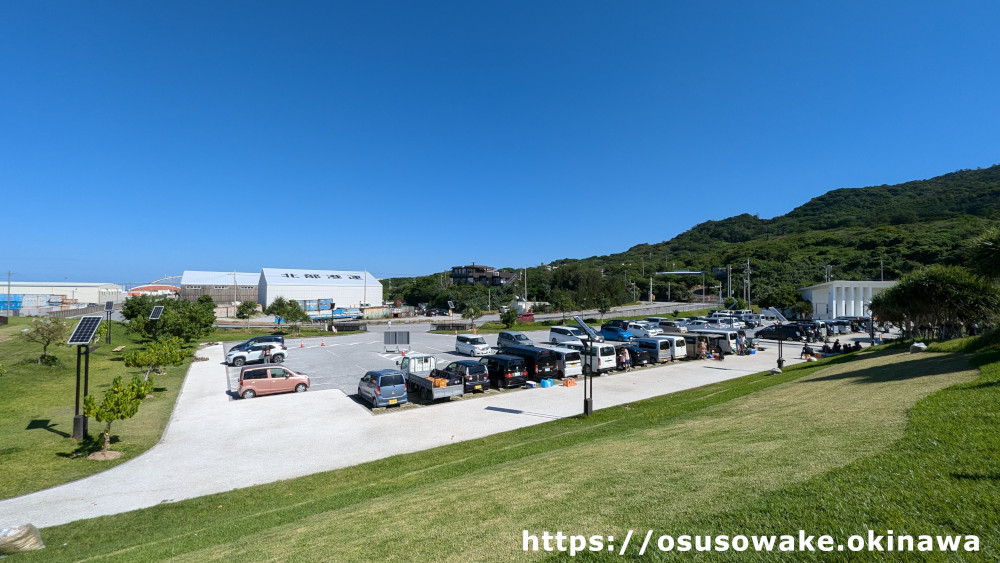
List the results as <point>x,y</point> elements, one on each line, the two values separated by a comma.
<point>404,353</point>
<point>322,343</point>
<point>302,344</point>
<point>456,332</point>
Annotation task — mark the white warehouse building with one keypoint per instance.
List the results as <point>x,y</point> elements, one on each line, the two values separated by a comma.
<point>318,290</point>
<point>843,298</point>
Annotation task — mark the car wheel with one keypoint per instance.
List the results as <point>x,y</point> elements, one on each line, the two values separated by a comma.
<point>249,394</point>
<point>300,388</point>
<point>278,359</point>
<point>238,362</point>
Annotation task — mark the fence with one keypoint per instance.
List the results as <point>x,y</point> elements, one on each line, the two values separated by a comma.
<point>451,325</point>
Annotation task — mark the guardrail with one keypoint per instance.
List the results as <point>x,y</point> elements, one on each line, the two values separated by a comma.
<point>347,326</point>
<point>451,325</point>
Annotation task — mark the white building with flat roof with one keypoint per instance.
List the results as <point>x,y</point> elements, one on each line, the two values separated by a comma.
<point>319,288</point>
<point>843,298</point>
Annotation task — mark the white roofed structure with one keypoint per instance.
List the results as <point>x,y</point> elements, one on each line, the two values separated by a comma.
<point>342,288</point>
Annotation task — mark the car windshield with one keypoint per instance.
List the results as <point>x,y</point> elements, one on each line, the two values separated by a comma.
<point>520,337</point>
<point>578,332</point>
<point>479,340</point>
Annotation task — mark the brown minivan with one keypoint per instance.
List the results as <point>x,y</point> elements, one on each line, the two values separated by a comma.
<point>263,380</point>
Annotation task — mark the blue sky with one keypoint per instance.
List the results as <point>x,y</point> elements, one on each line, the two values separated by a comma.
<point>141,139</point>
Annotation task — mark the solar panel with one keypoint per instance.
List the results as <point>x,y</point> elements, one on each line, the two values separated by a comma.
<point>157,311</point>
<point>777,314</point>
<point>84,332</point>
<point>588,329</point>
<point>109,305</point>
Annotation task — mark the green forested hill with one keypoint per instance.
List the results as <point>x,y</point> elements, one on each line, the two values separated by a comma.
<point>863,233</point>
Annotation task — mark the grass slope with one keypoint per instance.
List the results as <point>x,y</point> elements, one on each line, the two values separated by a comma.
<point>729,456</point>
<point>36,421</point>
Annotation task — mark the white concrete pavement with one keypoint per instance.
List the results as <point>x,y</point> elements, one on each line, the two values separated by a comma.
<point>214,444</point>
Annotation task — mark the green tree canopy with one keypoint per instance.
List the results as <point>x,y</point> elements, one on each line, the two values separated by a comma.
<point>986,253</point>
<point>288,310</point>
<point>46,331</point>
<point>183,319</point>
<point>120,402</point>
<point>939,296</point>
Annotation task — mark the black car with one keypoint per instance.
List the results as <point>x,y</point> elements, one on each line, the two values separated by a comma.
<point>810,331</point>
<point>639,356</point>
<point>541,362</point>
<point>437,312</point>
<point>783,332</point>
<point>469,372</point>
<point>505,370</point>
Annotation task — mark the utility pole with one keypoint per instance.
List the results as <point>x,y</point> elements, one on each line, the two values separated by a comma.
<point>748,282</point>
<point>729,281</point>
<point>881,270</point>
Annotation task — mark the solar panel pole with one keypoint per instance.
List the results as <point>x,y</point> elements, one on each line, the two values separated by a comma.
<point>79,421</point>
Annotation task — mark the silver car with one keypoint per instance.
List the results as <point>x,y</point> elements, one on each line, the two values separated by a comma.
<point>383,387</point>
<point>513,338</point>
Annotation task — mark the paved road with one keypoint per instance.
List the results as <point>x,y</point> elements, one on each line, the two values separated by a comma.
<point>214,443</point>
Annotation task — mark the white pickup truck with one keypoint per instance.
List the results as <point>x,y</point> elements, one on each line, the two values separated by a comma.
<point>417,369</point>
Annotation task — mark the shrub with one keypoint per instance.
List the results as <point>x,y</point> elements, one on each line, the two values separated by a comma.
<point>49,360</point>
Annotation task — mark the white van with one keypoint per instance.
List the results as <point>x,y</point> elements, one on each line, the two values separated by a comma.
<point>559,334</point>
<point>472,345</point>
<point>599,358</point>
<point>570,362</point>
<point>678,346</point>
<point>726,338</point>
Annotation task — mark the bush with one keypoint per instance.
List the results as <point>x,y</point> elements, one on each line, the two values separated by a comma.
<point>508,318</point>
<point>3,370</point>
<point>49,360</point>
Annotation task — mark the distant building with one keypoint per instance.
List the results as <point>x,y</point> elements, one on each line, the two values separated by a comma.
<point>41,298</point>
<point>223,287</point>
<point>484,275</point>
<point>843,298</point>
<point>155,290</point>
<point>319,290</point>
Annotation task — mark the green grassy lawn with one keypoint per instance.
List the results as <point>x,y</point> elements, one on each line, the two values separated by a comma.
<point>36,421</point>
<point>36,418</point>
<point>240,334</point>
<point>881,440</point>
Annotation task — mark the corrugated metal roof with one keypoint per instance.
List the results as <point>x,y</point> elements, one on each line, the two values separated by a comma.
<point>218,278</point>
<point>59,284</point>
<point>287,276</point>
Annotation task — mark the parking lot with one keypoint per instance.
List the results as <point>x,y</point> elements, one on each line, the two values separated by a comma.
<point>338,362</point>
